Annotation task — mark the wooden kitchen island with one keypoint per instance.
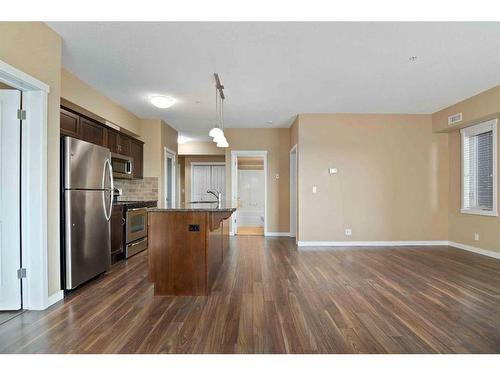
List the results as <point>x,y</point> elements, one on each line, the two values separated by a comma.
<point>186,246</point>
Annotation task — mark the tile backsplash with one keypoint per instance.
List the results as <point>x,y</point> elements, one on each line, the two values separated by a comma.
<point>138,190</point>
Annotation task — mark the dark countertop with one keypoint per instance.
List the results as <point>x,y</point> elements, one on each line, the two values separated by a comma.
<point>135,204</point>
<point>209,207</point>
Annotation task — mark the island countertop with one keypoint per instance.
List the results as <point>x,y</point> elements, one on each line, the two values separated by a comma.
<point>204,206</point>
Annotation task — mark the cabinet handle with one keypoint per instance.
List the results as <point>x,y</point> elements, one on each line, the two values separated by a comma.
<point>123,221</point>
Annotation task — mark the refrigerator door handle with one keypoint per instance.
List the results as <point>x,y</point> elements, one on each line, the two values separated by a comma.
<point>107,166</point>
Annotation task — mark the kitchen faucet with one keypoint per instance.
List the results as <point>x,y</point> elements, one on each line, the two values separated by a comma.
<point>217,195</point>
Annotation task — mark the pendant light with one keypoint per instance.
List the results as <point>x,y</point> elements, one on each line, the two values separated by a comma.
<point>217,132</point>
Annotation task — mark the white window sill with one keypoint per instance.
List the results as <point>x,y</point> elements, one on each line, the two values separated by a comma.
<point>479,212</point>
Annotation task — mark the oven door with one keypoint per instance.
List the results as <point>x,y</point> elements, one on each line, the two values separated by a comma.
<point>137,224</point>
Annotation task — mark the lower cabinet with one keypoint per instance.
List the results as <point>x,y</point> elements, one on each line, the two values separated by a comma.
<point>117,223</point>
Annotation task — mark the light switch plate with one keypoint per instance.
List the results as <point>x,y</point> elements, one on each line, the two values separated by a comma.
<point>348,232</point>
<point>332,170</point>
<point>476,236</point>
<point>315,189</point>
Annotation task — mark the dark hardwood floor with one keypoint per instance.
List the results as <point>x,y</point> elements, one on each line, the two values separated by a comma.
<point>271,298</point>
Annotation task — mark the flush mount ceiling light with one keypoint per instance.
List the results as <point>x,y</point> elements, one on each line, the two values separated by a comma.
<point>269,122</point>
<point>161,101</point>
<point>181,139</point>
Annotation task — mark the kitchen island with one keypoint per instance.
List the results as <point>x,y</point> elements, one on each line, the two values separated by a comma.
<point>187,245</point>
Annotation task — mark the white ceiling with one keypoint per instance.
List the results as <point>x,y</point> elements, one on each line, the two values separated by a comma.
<point>272,71</point>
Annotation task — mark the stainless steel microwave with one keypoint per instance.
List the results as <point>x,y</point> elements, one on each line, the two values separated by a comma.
<point>122,165</point>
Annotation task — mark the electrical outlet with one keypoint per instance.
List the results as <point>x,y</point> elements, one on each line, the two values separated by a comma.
<point>476,236</point>
<point>277,176</point>
<point>348,232</point>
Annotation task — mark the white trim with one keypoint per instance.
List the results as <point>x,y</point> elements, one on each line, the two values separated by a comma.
<point>33,186</point>
<point>56,297</point>
<point>483,127</point>
<point>369,243</point>
<point>208,163</point>
<point>477,250</point>
<point>293,199</point>
<point>234,182</point>
<point>277,234</point>
<point>20,80</point>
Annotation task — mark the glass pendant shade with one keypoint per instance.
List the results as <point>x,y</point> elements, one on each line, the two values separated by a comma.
<point>223,143</point>
<point>216,133</point>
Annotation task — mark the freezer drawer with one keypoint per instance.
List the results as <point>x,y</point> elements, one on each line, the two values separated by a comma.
<point>87,235</point>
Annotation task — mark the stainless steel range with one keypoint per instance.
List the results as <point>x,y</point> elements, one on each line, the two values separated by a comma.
<point>136,230</point>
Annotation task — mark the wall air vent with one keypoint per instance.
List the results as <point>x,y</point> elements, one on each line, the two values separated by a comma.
<point>453,119</point>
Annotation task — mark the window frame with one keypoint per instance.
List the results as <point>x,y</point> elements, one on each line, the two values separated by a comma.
<point>483,127</point>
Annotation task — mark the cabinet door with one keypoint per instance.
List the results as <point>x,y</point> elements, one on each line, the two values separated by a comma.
<point>92,132</point>
<point>136,149</point>
<point>117,223</point>
<point>124,145</point>
<point>70,124</point>
<point>112,141</point>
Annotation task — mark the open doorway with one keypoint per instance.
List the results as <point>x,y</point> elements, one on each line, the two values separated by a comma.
<point>249,171</point>
<point>170,178</point>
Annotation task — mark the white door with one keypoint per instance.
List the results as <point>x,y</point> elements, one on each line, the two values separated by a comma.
<point>10,250</point>
<point>218,179</point>
<point>201,183</point>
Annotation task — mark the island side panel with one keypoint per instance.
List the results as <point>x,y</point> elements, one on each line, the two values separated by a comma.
<point>214,248</point>
<point>178,258</point>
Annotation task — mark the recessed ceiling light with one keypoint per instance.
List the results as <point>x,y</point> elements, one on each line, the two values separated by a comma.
<point>161,101</point>
<point>412,58</point>
<point>181,139</point>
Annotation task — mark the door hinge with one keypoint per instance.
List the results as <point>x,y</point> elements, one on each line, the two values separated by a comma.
<point>21,114</point>
<point>21,273</point>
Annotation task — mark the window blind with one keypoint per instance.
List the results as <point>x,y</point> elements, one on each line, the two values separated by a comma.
<point>478,168</point>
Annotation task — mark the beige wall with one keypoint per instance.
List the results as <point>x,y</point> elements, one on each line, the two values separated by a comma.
<point>82,94</point>
<point>480,107</point>
<point>200,148</point>
<point>277,144</point>
<point>188,159</point>
<point>36,50</point>
<point>392,181</point>
<point>483,106</point>
<point>157,135</point>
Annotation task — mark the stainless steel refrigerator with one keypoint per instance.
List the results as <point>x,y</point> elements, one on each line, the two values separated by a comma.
<point>87,199</point>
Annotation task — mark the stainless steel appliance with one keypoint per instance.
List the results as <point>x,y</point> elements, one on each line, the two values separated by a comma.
<point>122,166</point>
<point>136,230</point>
<point>87,203</point>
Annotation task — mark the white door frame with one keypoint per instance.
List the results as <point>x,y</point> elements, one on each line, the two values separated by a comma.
<point>33,187</point>
<point>234,185</point>
<point>293,187</point>
<point>193,163</point>
<point>173,155</point>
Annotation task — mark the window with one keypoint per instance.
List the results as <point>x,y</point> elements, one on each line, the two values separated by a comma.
<point>479,169</point>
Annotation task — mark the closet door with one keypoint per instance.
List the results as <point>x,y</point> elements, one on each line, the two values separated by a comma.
<point>218,179</point>
<point>201,183</point>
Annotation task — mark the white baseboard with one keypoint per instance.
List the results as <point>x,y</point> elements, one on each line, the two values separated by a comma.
<point>277,234</point>
<point>56,297</point>
<point>369,243</point>
<point>488,253</point>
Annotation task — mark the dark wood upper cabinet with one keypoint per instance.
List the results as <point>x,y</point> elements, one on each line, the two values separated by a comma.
<point>92,132</point>
<point>85,128</point>
<point>70,124</point>
<point>136,150</point>
<point>112,141</point>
